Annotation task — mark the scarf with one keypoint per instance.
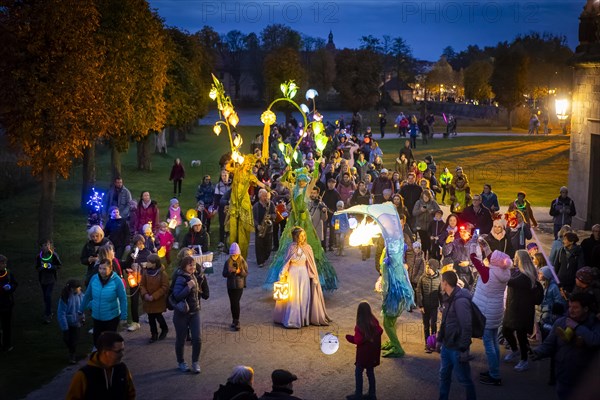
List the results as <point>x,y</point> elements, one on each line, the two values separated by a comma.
<point>146,205</point>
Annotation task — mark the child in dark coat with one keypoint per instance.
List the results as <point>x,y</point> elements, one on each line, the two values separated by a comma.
<point>47,263</point>
<point>367,338</point>
<point>428,298</point>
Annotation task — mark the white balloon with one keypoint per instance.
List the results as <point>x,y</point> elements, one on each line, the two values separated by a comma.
<point>329,344</point>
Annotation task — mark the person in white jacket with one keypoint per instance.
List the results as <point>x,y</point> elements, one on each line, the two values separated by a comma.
<point>494,274</point>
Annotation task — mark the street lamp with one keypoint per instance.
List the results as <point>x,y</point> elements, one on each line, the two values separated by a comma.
<point>561,112</point>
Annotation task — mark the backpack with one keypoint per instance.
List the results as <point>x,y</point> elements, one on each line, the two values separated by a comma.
<point>477,321</point>
<point>169,303</point>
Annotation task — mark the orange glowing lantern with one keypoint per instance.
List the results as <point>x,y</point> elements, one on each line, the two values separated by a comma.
<point>132,280</point>
<point>281,290</point>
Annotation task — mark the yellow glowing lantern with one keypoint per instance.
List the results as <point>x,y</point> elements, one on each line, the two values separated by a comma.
<point>161,252</point>
<point>213,93</point>
<point>217,129</point>
<point>131,280</point>
<point>237,141</point>
<point>268,117</point>
<point>281,290</point>
<point>191,213</point>
<point>227,111</point>
<point>234,119</point>
<point>318,127</point>
<point>172,223</point>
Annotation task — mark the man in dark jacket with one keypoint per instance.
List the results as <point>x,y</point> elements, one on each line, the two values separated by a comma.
<point>478,215</point>
<point>282,386</point>
<point>105,376</point>
<point>574,342</point>
<point>588,245</point>
<point>569,261</point>
<point>563,210</point>
<point>411,192</point>
<point>454,337</point>
<point>330,198</point>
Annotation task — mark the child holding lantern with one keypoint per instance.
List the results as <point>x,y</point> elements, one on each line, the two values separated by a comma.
<point>136,260</point>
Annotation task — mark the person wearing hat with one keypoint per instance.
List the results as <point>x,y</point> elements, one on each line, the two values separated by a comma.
<point>381,183</point>
<point>283,384</point>
<point>569,261</point>
<point>197,236</point>
<point>524,206</point>
<point>460,192</point>
<point>235,270</point>
<point>562,210</point>
<point>586,281</point>
<point>554,304</point>
<point>445,182</point>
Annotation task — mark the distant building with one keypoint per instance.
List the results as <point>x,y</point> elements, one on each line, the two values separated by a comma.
<point>584,159</point>
<point>398,90</point>
<point>330,45</point>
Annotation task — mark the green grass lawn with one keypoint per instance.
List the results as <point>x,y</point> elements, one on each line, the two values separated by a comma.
<point>536,165</point>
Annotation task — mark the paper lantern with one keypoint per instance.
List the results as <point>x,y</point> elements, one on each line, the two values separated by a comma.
<point>422,166</point>
<point>131,279</point>
<point>281,290</point>
<point>172,223</point>
<point>162,252</point>
<point>329,344</point>
<point>191,213</point>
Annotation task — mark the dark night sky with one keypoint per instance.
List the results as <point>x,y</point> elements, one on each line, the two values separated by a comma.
<point>427,26</point>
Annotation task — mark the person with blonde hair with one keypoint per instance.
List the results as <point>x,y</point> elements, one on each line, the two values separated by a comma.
<point>89,253</point>
<point>238,386</point>
<point>520,309</point>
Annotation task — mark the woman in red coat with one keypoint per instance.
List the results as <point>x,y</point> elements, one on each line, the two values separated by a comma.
<point>147,213</point>
<point>367,338</point>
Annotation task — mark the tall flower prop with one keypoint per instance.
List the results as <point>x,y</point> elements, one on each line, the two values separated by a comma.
<point>289,90</point>
<point>228,118</point>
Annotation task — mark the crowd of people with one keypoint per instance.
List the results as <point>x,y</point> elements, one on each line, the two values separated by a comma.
<point>472,255</point>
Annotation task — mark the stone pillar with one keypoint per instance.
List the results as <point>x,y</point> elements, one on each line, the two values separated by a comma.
<point>585,118</point>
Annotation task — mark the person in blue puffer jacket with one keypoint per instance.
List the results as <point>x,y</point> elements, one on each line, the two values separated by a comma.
<point>68,316</point>
<point>106,297</point>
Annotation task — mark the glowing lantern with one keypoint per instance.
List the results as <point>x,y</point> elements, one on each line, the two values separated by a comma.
<point>318,127</point>
<point>227,111</point>
<point>281,290</point>
<point>234,119</point>
<point>213,93</point>
<point>293,89</point>
<point>304,108</point>
<point>329,344</point>
<point>281,146</point>
<point>161,252</point>
<point>191,213</point>
<point>217,129</point>
<point>172,223</point>
<point>268,117</point>
<point>320,141</point>
<point>311,94</point>
<point>422,166</point>
<point>131,280</point>
<point>237,141</point>
<point>283,88</point>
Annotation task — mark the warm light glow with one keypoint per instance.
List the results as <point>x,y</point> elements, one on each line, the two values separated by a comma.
<point>131,280</point>
<point>237,141</point>
<point>191,213</point>
<point>217,129</point>
<point>213,93</point>
<point>234,119</point>
<point>227,110</point>
<point>268,117</point>
<point>561,108</point>
<point>318,128</point>
<point>364,233</point>
<point>172,223</point>
<point>311,94</point>
<point>281,290</point>
<point>281,147</point>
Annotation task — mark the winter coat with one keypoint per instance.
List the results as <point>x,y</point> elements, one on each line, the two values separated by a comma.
<point>446,179</point>
<point>177,172</point>
<point>587,246</point>
<point>237,391</point>
<point>117,231</point>
<point>411,193</point>
<point>155,282</point>
<point>7,299</point>
<point>575,356</point>
<point>236,280</point>
<point>47,268</point>
<point>192,239</point>
<point>107,300</point>
<point>423,213</point>
<point>416,267</point>
<point>428,293</point>
<point>489,296</point>
<point>504,245</point>
<point>345,190</point>
<point>481,219</point>
<point>181,290</point>
<point>146,215</point>
<point>456,328</point>
<point>119,199</point>
<point>552,296</point>
<point>90,249</point>
<point>519,236</point>
<point>490,200</point>
<point>436,228</point>
<point>520,307</point>
<point>206,193</point>
<point>569,262</point>
<point>367,352</point>
<point>562,210</point>
<point>68,313</point>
